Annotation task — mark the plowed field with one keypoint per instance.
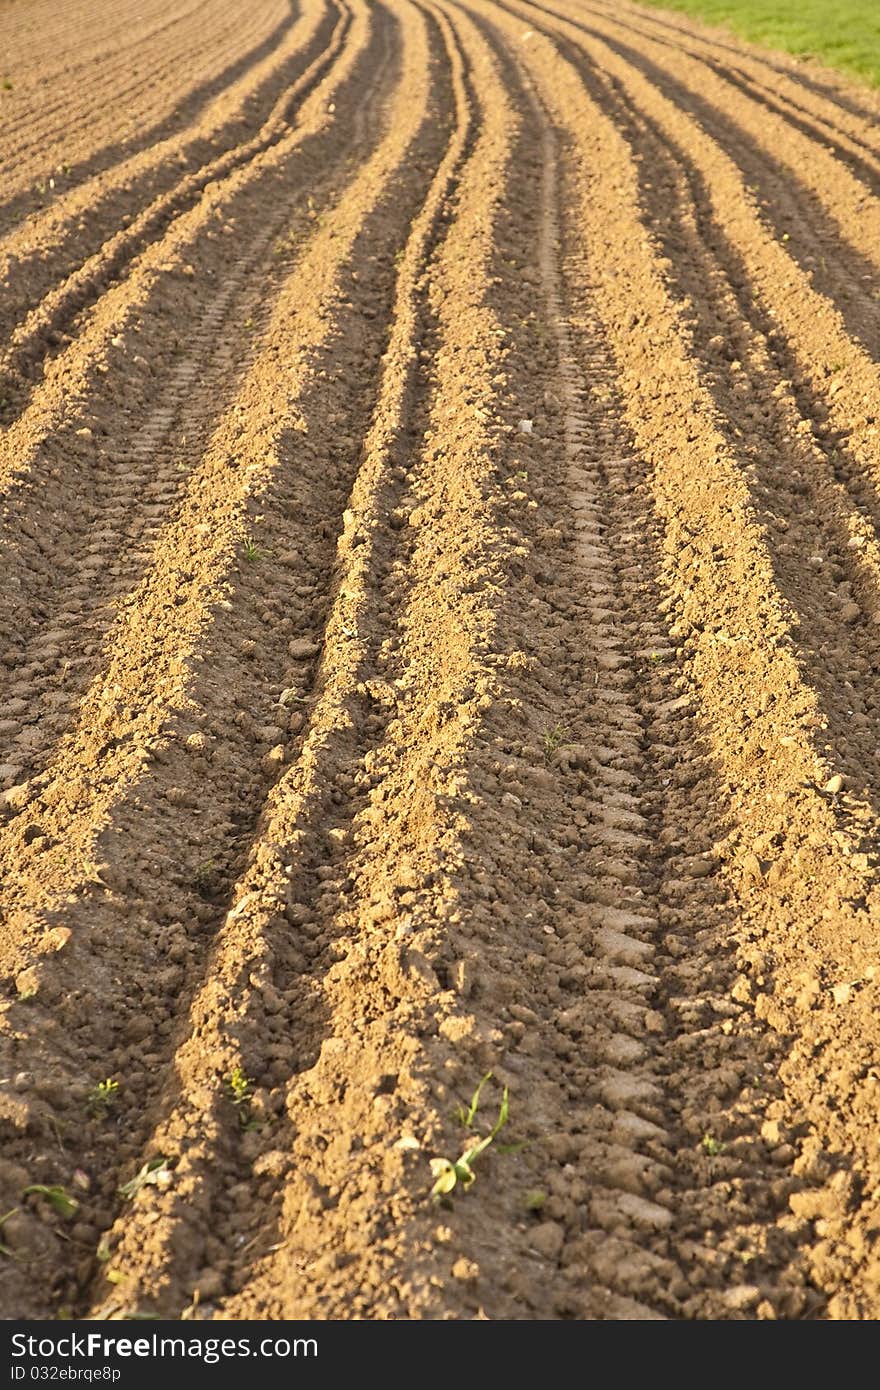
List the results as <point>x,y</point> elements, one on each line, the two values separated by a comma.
<point>439,636</point>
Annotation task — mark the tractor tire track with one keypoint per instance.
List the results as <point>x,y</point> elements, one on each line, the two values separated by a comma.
<point>838,253</point>
<point>171,785</point>
<point>65,134</point>
<point>134,322</point>
<point>846,910</point>
<point>854,140</point>
<point>37,308</point>
<point>441,521</point>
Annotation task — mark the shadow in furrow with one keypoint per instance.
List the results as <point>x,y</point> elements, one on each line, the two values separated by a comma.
<point>863,169</point>
<point>832,94</point>
<point>15,209</point>
<point>32,351</point>
<point>816,126</point>
<point>149,451</point>
<point>245,666</point>
<point>803,488</point>
<point>795,216</point>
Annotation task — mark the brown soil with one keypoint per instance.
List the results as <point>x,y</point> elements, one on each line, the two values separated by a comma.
<point>440,636</point>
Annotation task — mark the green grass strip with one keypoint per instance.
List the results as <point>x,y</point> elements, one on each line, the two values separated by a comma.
<point>840,33</point>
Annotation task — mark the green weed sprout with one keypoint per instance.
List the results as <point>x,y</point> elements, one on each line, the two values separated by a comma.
<point>240,1088</point>
<point>102,1097</point>
<point>553,739</point>
<point>4,1249</point>
<point>448,1175</point>
<point>58,1198</point>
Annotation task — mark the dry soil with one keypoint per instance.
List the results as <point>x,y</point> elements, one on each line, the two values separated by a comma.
<point>439,636</point>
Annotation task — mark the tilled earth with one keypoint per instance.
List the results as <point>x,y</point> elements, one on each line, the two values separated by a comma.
<point>439,636</point>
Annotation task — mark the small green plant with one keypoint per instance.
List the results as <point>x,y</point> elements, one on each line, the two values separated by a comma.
<point>554,738</point>
<point>103,1097</point>
<point>154,1173</point>
<point>534,1199</point>
<point>58,1198</point>
<point>239,1087</point>
<point>4,1249</point>
<point>712,1146</point>
<point>7,84</point>
<point>290,697</point>
<point>466,1114</point>
<point>252,551</point>
<point>448,1175</point>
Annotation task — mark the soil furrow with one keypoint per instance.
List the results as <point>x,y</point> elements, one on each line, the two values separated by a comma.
<point>233,784</point>
<point>301,804</point>
<point>306,816</point>
<point>130,348</point>
<point>80,101</point>
<point>824,90</point>
<point>64,54</point>
<point>826,220</point>
<point>108,547</point>
<point>280,812</point>
<point>439,666</point>
<point>43,114</point>
<point>824,120</point>
<point>841,377</point>
<point>82,231</point>
<point>823,540</point>
<point>609,1009</point>
<point>793,216</point>
<point>65,137</point>
<point>44,328</point>
<point>859,158</point>
<point>786,813</point>
<point>388,903</point>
